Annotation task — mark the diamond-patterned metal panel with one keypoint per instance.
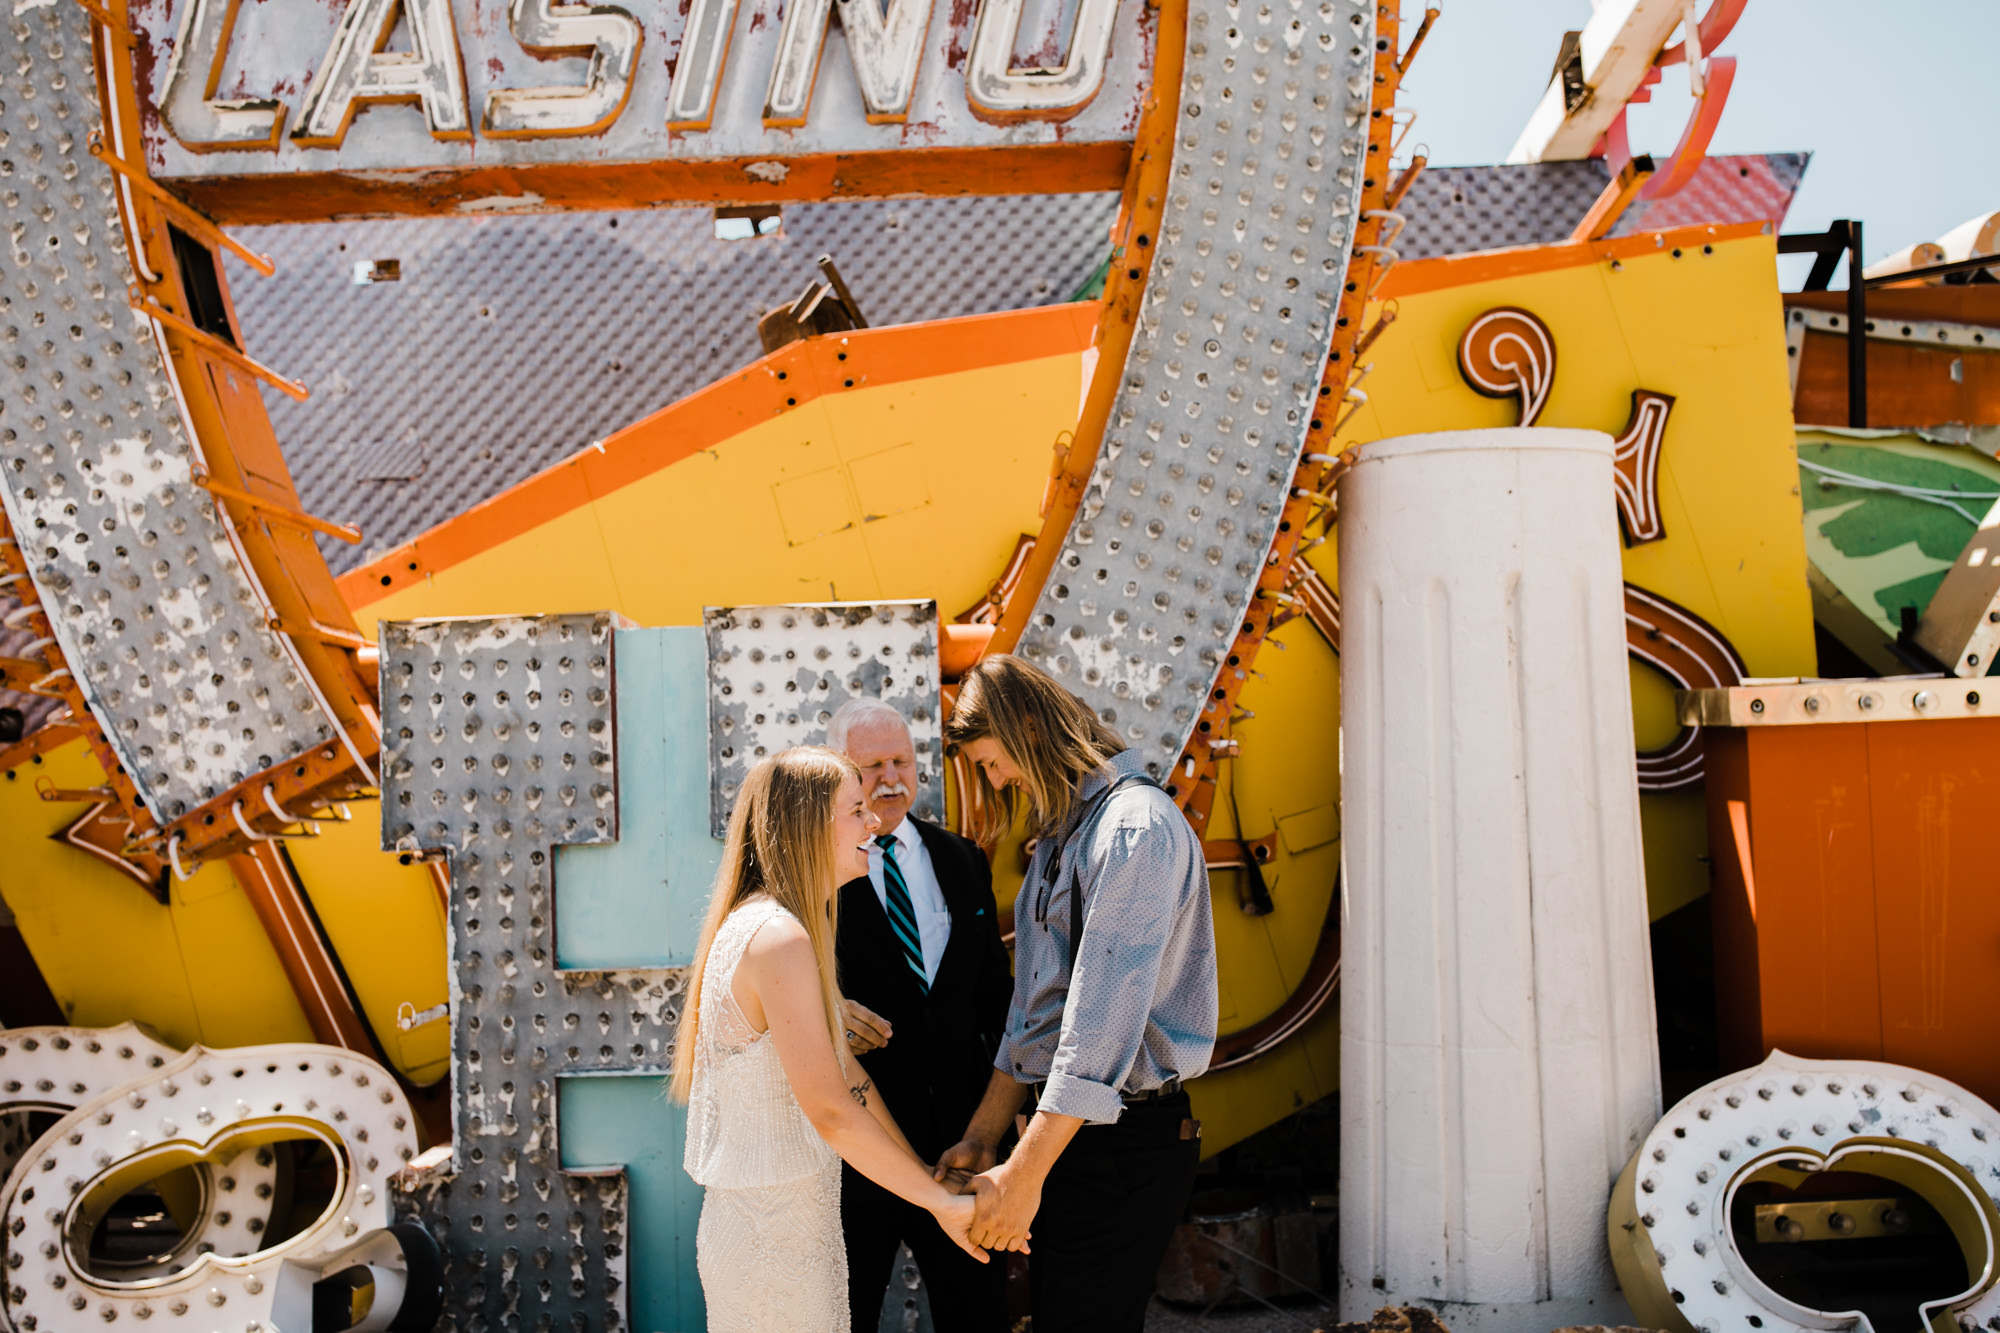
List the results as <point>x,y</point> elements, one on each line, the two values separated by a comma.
<point>152,601</point>
<point>776,674</point>
<point>1269,159</point>
<point>1453,210</point>
<point>498,745</point>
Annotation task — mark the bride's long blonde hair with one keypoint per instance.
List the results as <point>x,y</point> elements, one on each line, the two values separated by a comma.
<point>780,842</point>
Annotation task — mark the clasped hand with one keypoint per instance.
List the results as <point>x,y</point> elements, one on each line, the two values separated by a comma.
<point>1004,1205</point>
<point>958,1164</point>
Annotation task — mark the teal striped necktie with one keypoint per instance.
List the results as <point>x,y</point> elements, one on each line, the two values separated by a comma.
<point>902,913</point>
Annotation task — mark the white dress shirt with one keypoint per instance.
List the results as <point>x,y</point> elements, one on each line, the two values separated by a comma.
<point>926,897</point>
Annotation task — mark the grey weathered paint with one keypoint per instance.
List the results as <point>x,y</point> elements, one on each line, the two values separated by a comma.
<point>152,602</point>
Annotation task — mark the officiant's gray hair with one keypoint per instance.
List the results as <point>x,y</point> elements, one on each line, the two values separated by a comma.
<point>854,712</point>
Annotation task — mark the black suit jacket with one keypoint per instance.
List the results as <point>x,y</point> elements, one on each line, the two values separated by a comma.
<point>940,1057</point>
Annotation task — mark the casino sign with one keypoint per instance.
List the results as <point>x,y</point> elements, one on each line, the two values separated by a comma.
<point>297,109</point>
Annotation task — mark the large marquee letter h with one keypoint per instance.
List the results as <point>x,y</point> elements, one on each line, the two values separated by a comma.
<point>498,745</point>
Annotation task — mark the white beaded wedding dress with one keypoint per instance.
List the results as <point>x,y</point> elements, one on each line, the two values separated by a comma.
<point>769,1246</point>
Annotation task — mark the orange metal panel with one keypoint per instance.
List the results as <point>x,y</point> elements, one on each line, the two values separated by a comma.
<point>1795,964</point>
<point>1935,788</point>
<point>1908,383</point>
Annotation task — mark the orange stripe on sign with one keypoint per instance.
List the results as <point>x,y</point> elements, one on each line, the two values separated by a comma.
<point>1430,275</point>
<point>781,382</point>
<point>280,904</point>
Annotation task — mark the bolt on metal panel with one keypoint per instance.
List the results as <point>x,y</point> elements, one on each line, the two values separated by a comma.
<point>1179,516</point>
<point>498,745</point>
<point>776,674</point>
<point>151,600</point>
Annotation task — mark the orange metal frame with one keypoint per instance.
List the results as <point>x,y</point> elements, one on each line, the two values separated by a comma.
<point>1854,915</point>
<point>1058,168</point>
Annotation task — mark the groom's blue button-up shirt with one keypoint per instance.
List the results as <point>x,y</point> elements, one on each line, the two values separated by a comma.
<point>1139,1006</point>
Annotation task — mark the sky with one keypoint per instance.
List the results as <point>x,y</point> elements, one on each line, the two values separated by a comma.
<point>1897,101</point>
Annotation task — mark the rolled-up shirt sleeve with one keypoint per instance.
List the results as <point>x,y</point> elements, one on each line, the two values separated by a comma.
<point>1137,870</point>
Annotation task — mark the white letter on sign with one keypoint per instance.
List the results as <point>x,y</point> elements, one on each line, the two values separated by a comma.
<point>611,36</point>
<point>357,69</point>
<point>188,103</point>
<point>885,52</point>
<point>998,91</point>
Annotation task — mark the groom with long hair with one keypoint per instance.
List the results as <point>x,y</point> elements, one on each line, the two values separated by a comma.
<point>1114,1000</point>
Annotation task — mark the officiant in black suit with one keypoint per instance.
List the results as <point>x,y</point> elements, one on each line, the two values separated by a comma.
<point>928,984</point>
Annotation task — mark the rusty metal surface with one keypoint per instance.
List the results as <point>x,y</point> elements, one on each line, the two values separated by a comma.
<point>776,674</point>
<point>498,745</point>
<point>151,599</point>
<point>403,432</point>
<point>278,48</point>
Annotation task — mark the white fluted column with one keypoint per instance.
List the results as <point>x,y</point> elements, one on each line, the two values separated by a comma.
<point>1498,1056</point>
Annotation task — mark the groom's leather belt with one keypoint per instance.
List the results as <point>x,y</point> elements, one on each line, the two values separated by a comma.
<point>1167,1089</point>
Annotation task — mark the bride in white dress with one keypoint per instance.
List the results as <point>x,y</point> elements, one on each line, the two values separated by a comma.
<point>773,1102</point>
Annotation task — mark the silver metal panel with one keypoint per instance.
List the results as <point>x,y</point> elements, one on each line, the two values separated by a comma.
<point>1156,572</point>
<point>275,48</point>
<point>1797,702</point>
<point>777,673</point>
<point>498,745</point>
<point>151,600</point>
<point>1928,333</point>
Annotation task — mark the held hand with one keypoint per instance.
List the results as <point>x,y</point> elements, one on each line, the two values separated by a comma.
<point>1006,1208</point>
<point>958,1164</point>
<point>955,1216</point>
<point>866,1030</point>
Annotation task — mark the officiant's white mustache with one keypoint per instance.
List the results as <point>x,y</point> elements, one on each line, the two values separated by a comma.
<point>890,790</point>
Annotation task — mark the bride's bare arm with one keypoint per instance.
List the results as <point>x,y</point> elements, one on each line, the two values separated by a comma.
<point>777,983</point>
<point>864,1090</point>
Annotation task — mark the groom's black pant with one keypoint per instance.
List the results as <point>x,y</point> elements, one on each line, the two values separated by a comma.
<point>966,1296</point>
<point>1109,1208</point>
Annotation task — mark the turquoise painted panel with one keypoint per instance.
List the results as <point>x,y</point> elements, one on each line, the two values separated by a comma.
<point>638,902</point>
<point>612,1119</point>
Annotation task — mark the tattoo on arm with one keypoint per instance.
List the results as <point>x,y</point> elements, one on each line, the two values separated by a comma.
<point>859,1092</point>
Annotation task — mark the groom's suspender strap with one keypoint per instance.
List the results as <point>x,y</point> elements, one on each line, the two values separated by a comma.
<point>1076,879</point>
